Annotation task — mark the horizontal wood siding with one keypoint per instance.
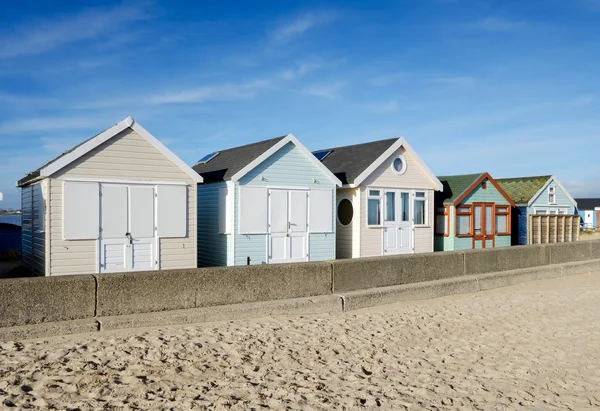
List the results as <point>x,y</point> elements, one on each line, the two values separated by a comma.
<point>562,201</point>
<point>27,227</point>
<point>489,195</point>
<point>344,234</point>
<point>321,246</point>
<point>289,168</point>
<point>371,238</point>
<point>212,246</point>
<point>424,235</point>
<point>128,156</point>
<point>414,177</point>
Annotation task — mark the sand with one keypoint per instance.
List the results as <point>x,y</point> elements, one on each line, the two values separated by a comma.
<point>534,346</point>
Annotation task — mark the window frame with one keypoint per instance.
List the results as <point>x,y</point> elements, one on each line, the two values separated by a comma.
<point>460,213</point>
<point>552,195</point>
<point>446,214</point>
<point>404,165</point>
<point>425,200</point>
<point>378,198</point>
<point>506,213</point>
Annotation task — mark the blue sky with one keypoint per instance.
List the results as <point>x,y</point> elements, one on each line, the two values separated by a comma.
<point>509,87</point>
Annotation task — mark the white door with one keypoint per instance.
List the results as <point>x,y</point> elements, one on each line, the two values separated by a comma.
<point>288,226</point>
<point>127,228</point>
<point>397,223</point>
<point>589,219</point>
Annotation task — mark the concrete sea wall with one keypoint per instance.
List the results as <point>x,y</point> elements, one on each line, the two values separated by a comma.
<point>35,307</point>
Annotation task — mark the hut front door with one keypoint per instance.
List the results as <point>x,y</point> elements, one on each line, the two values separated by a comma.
<point>483,225</point>
<point>127,228</point>
<point>288,226</point>
<point>397,223</point>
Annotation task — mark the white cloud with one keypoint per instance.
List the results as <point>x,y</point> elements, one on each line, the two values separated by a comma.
<point>46,35</point>
<point>212,93</point>
<point>386,79</point>
<point>288,30</point>
<point>302,70</point>
<point>497,24</point>
<point>459,81</point>
<point>325,90</point>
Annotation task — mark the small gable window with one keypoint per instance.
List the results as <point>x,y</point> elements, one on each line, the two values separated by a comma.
<point>552,195</point>
<point>399,165</point>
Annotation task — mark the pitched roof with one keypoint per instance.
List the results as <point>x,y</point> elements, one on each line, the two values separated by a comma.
<point>91,143</point>
<point>523,189</point>
<point>348,162</point>
<point>587,203</point>
<point>455,186</point>
<point>228,162</point>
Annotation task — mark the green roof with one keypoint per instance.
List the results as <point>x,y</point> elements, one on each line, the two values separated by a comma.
<point>522,189</point>
<point>454,186</point>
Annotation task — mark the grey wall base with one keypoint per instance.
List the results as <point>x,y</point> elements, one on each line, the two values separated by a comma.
<point>334,303</point>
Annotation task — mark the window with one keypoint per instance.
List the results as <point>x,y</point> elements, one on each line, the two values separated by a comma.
<point>464,216</point>
<point>345,212</point>
<point>405,207</point>
<point>399,165</point>
<point>502,220</point>
<point>374,207</point>
<point>442,220</point>
<point>420,207</point>
<point>390,206</point>
<point>322,154</point>
<point>541,211</point>
<point>207,158</point>
<point>551,195</point>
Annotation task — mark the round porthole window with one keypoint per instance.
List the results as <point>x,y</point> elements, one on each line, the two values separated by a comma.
<point>399,165</point>
<point>345,212</point>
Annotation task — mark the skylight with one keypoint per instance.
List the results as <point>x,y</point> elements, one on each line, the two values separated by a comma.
<point>322,154</point>
<point>207,158</point>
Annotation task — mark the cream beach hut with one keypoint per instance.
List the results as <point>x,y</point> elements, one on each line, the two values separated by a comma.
<point>119,201</point>
<point>385,205</point>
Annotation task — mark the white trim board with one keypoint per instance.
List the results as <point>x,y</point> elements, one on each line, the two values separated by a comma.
<point>290,138</point>
<point>111,133</point>
<point>401,142</point>
<point>114,181</point>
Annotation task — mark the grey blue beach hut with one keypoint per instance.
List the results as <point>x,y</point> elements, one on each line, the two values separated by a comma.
<point>266,202</point>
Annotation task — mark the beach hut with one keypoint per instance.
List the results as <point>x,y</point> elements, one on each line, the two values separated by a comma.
<point>536,195</point>
<point>262,203</point>
<point>119,201</point>
<point>385,205</point>
<point>473,211</point>
<point>589,210</point>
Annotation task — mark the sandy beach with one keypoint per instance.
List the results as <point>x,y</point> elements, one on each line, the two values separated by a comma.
<point>535,346</point>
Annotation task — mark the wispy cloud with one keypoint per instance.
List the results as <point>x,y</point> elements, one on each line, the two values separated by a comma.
<point>46,124</point>
<point>288,30</point>
<point>46,35</point>
<point>300,71</point>
<point>387,79</point>
<point>458,81</point>
<point>212,93</point>
<point>331,90</point>
<point>497,24</point>
<point>582,101</point>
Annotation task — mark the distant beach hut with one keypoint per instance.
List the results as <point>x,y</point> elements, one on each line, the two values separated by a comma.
<point>473,211</point>
<point>589,210</point>
<point>266,202</point>
<point>120,201</point>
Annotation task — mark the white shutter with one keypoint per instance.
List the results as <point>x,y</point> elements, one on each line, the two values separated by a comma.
<point>321,211</point>
<point>225,210</point>
<point>114,211</point>
<point>172,209</point>
<point>253,210</point>
<point>81,211</point>
<point>141,206</point>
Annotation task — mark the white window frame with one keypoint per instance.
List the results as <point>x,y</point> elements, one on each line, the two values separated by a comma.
<point>378,197</point>
<point>425,200</point>
<point>551,195</point>
<point>404,165</point>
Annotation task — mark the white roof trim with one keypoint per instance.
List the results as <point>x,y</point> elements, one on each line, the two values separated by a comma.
<point>401,142</point>
<point>107,135</point>
<point>290,138</point>
<point>545,186</point>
